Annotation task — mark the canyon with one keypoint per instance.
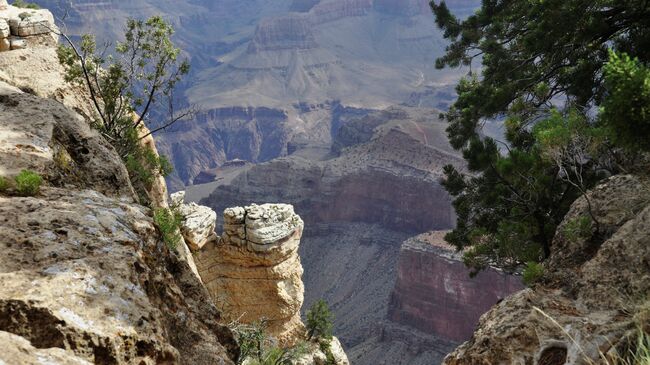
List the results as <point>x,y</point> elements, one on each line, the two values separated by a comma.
<point>344,128</point>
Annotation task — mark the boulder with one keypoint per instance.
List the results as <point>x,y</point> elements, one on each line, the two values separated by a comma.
<point>32,22</point>
<point>253,272</point>
<point>198,222</point>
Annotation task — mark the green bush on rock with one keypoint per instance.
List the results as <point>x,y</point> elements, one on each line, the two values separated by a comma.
<point>28,183</point>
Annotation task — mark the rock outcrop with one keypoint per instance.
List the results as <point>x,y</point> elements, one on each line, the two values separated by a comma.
<point>21,28</point>
<point>198,222</point>
<point>44,136</point>
<point>358,208</point>
<point>84,275</point>
<point>435,294</point>
<point>593,295</point>
<point>253,272</point>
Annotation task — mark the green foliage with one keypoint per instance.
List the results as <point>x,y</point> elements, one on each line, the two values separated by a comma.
<point>126,89</point>
<point>319,321</point>
<point>256,348</point>
<point>532,273</point>
<point>625,112</point>
<point>144,166</point>
<point>4,184</point>
<point>168,223</point>
<point>326,347</point>
<point>533,53</point>
<point>28,183</point>
<point>638,353</point>
<point>24,4</point>
<point>577,229</point>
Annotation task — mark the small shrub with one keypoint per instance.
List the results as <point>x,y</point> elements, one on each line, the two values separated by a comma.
<point>4,184</point>
<point>533,272</point>
<point>319,321</point>
<point>326,348</point>
<point>28,183</point>
<point>168,223</point>
<point>144,166</point>
<point>257,348</point>
<point>577,228</point>
<point>25,5</point>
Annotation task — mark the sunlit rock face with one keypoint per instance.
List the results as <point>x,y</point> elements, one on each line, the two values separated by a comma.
<point>84,274</point>
<point>253,272</point>
<point>435,294</point>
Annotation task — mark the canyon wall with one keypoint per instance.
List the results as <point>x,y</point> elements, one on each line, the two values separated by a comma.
<point>359,205</point>
<point>435,294</point>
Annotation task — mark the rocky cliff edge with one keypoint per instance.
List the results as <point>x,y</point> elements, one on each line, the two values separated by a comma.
<point>594,294</point>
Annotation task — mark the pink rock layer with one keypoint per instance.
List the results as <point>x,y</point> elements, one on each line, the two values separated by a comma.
<point>435,294</point>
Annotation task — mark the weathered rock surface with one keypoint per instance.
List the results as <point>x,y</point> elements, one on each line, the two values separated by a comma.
<point>435,294</point>
<point>587,301</point>
<point>87,273</point>
<point>198,222</point>
<point>253,272</point>
<point>17,350</point>
<point>44,136</point>
<point>84,275</point>
<point>23,27</point>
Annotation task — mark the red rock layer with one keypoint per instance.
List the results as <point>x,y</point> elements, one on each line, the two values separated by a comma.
<point>435,294</point>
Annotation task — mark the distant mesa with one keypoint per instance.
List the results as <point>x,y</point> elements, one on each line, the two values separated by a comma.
<point>287,32</point>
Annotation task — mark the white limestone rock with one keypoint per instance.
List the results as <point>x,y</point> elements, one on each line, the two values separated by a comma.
<point>17,43</point>
<point>5,31</point>
<point>198,222</point>
<point>3,4</point>
<point>32,22</point>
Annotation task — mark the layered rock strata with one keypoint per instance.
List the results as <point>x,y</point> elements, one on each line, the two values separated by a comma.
<point>593,297</point>
<point>253,272</point>
<point>20,27</point>
<point>435,294</point>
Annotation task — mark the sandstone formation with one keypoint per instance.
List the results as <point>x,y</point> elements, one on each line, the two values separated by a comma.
<point>20,28</point>
<point>253,272</point>
<point>593,296</point>
<point>221,135</point>
<point>84,275</point>
<point>359,206</point>
<point>198,222</point>
<point>390,178</point>
<point>435,294</point>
